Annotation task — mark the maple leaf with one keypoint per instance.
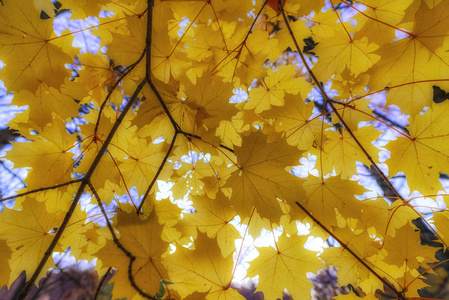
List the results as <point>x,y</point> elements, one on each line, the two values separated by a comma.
<point>212,216</point>
<point>341,151</point>
<point>407,254</point>
<point>202,270</point>
<point>28,233</point>
<point>324,196</point>
<point>210,97</point>
<point>98,77</point>
<point>50,149</point>
<point>44,103</point>
<point>295,121</point>
<point>385,217</point>
<point>74,236</point>
<point>273,89</point>
<point>384,11</point>
<point>252,186</point>
<point>24,35</point>
<point>141,238</point>
<point>83,8</point>
<point>350,264</point>
<point>426,147</point>
<point>142,164</point>
<point>420,48</point>
<point>55,200</point>
<point>341,51</point>
<point>119,48</point>
<point>285,267</point>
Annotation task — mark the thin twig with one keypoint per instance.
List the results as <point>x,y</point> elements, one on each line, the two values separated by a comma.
<point>159,170</point>
<point>125,73</point>
<point>367,155</point>
<point>328,101</point>
<point>102,282</point>
<point>164,106</point>
<point>41,189</point>
<point>242,44</point>
<point>201,139</point>
<point>344,246</point>
<point>131,257</point>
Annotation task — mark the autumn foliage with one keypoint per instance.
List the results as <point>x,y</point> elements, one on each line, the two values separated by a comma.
<point>160,106</point>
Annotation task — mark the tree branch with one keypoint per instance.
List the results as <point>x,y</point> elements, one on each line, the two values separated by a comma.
<point>84,183</point>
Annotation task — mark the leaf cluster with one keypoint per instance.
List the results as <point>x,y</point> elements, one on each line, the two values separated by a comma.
<point>160,107</point>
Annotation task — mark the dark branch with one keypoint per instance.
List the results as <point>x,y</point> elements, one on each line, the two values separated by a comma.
<point>84,183</point>
<point>41,190</point>
<point>344,246</point>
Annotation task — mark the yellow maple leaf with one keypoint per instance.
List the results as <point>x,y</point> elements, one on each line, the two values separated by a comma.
<point>385,217</point>
<point>299,28</point>
<point>350,268</point>
<point>28,233</point>
<point>126,49</point>
<point>140,167</point>
<point>25,36</point>
<point>295,122</point>
<point>142,239</point>
<point>98,77</point>
<point>273,88</point>
<point>260,41</point>
<point>261,178</point>
<point>326,195</point>
<point>404,60</point>
<point>49,158</point>
<point>340,51</point>
<point>150,115</point>
<point>212,216</point>
<point>340,151</point>
<point>441,222</point>
<point>46,6</point>
<point>56,200</point>
<point>403,250</point>
<point>201,270</point>
<point>46,102</point>
<point>355,112</point>
<point>228,134</point>
<point>200,174</point>
<point>384,12</point>
<point>74,234</point>
<point>423,154</point>
<point>81,9</point>
<point>285,268</point>
<point>106,170</point>
<point>210,97</point>
<point>206,41</point>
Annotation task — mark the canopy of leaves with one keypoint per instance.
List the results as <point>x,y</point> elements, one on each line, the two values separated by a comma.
<point>159,106</point>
